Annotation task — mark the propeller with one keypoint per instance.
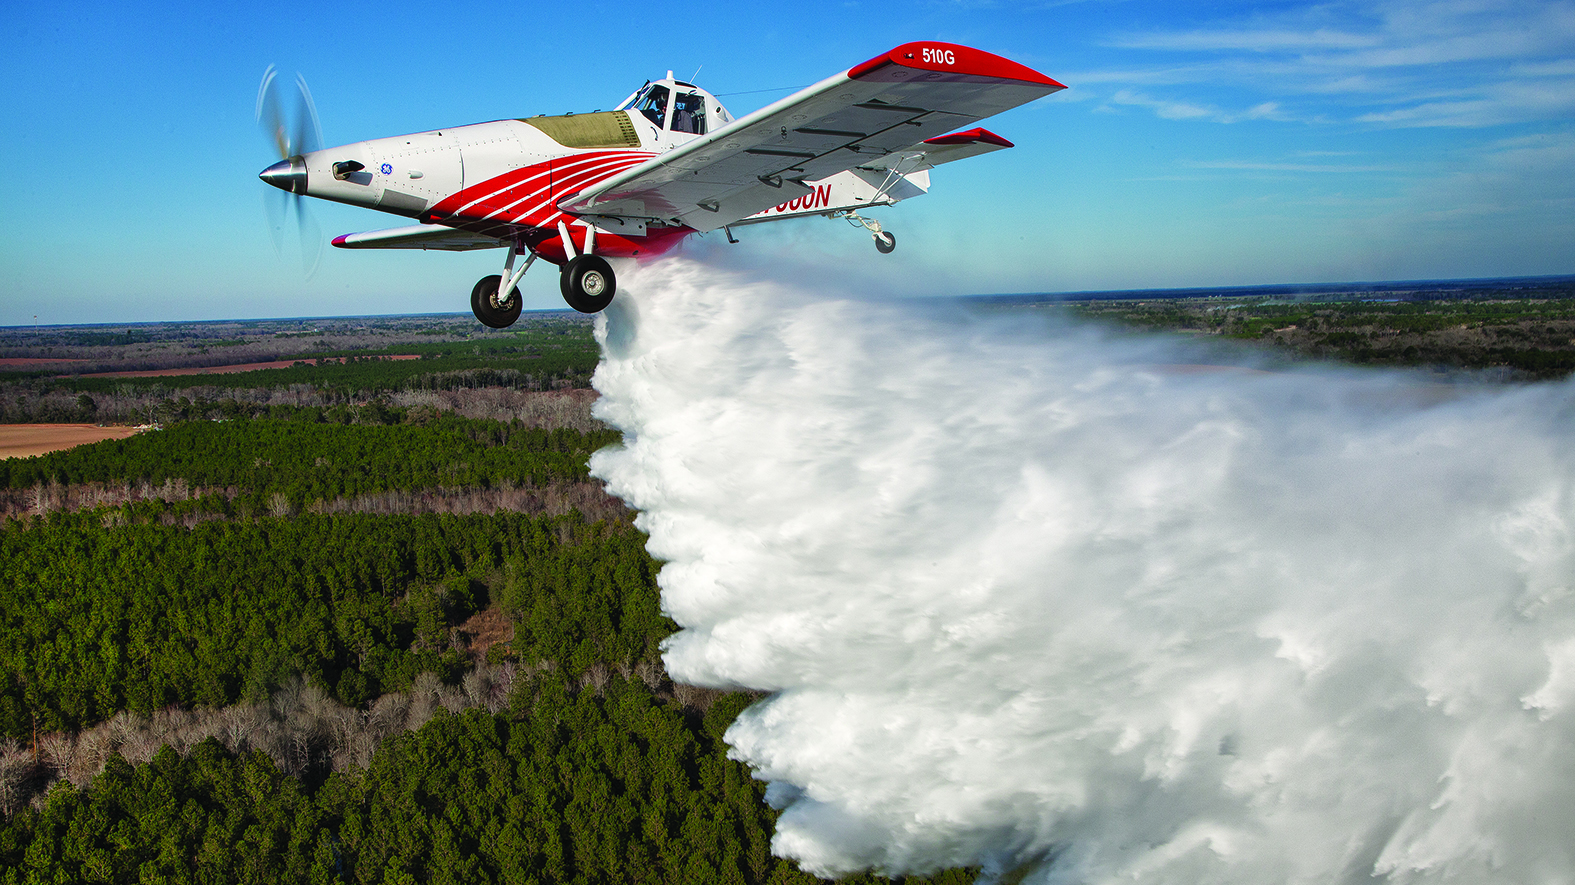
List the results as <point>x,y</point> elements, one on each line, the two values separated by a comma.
<point>289,119</point>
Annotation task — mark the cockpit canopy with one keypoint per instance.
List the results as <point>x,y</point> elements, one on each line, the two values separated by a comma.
<point>678,107</point>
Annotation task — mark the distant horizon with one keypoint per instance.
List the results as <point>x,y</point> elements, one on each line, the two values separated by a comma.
<point>1441,284</point>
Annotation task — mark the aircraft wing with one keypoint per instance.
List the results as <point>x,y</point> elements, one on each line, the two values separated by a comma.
<point>418,236</point>
<point>891,103</point>
<point>943,149</point>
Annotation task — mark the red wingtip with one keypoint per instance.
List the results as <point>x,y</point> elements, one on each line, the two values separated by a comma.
<point>972,136</point>
<point>950,58</point>
<point>340,240</point>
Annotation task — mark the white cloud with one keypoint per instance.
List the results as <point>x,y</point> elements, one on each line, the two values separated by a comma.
<point>1258,166</point>
<point>1182,110</point>
<point>1250,39</point>
<point>1562,68</point>
<point>1547,154</point>
<point>1169,110</point>
<point>1405,63</point>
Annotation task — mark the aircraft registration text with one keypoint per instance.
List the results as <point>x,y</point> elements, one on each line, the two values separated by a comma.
<point>820,196</point>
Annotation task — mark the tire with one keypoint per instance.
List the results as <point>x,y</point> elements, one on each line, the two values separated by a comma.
<point>588,283</point>
<point>484,305</point>
<point>885,241</point>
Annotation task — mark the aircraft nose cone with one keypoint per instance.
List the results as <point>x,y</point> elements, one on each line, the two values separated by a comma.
<point>286,175</point>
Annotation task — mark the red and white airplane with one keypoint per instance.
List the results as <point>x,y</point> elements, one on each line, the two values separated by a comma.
<point>580,189</point>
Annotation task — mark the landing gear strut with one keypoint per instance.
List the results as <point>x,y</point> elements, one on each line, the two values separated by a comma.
<point>587,282</point>
<point>500,313</point>
<point>885,241</point>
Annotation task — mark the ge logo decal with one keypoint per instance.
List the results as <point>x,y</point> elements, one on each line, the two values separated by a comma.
<point>387,169</point>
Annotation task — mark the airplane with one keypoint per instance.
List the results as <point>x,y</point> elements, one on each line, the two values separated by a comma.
<point>583,190</point>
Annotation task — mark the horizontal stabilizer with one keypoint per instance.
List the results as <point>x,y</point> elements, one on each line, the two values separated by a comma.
<point>961,145</point>
<point>417,236</point>
<point>941,149</point>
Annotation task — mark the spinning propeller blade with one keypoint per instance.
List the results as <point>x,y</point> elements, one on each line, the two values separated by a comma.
<point>292,134</point>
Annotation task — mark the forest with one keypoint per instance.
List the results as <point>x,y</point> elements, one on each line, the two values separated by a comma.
<point>141,615</point>
<point>296,456</point>
<point>1530,337</point>
<point>76,374</point>
<point>370,620</point>
<point>318,628</point>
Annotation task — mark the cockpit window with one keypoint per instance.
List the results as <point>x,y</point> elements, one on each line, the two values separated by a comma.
<point>689,113</point>
<point>654,106</point>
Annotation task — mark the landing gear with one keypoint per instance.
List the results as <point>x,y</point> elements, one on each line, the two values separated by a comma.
<point>885,241</point>
<point>588,283</point>
<point>485,305</point>
<point>484,300</point>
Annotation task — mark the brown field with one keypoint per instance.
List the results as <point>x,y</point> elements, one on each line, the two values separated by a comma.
<point>27,362</point>
<point>24,440</point>
<point>223,370</point>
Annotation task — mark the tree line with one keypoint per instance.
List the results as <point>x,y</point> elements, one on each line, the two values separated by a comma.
<point>42,399</point>
<point>536,345</point>
<point>563,367</point>
<point>552,357</point>
<point>461,394</point>
<point>1518,337</point>
<point>303,455</point>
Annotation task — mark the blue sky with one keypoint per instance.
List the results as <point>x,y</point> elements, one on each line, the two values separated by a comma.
<point>1198,145</point>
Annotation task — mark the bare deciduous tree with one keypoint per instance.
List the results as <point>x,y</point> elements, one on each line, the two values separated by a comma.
<point>299,726</point>
<point>57,751</point>
<point>17,769</point>
<point>279,505</point>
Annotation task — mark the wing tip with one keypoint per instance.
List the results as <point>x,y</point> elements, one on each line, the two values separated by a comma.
<point>972,136</point>
<point>951,58</point>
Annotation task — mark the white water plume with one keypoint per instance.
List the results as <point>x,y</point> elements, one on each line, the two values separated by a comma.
<point>1027,599</point>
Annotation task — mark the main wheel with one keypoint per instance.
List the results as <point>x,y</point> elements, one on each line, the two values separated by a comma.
<point>588,283</point>
<point>484,303</point>
<point>885,241</point>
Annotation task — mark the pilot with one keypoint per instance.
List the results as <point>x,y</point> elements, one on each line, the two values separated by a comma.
<point>655,108</point>
<point>689,113</point>
<point>683,117</point>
